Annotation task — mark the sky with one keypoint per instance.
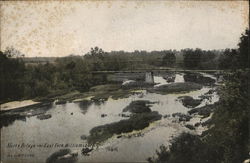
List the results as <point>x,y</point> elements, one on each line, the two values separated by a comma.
<point>54,28</point>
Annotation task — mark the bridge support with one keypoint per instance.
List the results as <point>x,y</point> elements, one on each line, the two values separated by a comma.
<point>149,78</point>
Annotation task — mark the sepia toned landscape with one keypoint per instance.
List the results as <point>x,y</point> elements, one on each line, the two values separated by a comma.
<point>109,81</point>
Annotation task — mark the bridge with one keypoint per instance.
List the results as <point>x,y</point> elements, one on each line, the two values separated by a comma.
<point>155,70</point>
<point>144,74</point>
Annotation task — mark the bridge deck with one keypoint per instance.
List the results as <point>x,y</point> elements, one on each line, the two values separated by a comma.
<point>153,70</point>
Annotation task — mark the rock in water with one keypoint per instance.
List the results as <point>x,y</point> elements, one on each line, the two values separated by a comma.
<point>182,117</point>
<point>44,116</point>
<point>189,101</point>
<point>103,115</point>
<point>191,127</point>
<point>62,156</point>
<point>139,106</point>
<point>86,151</point>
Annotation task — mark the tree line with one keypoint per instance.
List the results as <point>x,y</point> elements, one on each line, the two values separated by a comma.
<point>19,80</point>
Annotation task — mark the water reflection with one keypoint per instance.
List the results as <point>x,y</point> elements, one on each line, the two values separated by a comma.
<point>8,118</point>
<point>84,105</point>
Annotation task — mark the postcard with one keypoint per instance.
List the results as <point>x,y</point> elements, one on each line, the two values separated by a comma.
<point>124,81</point>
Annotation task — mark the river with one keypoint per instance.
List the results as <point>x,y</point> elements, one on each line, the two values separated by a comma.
<point>71,120</point>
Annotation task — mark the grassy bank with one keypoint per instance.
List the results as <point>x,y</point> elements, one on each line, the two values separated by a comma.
<point>175,88</point>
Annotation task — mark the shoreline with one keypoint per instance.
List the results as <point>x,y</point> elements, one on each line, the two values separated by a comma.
<point>13,105</point>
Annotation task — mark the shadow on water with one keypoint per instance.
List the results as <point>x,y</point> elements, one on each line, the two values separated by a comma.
<point>6,120</point>
<point>84,105</point>
<point>99,102</point>
<point>9,117</point>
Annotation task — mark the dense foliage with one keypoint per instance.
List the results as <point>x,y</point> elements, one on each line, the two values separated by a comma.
<point>229,59</point>
<point>244,59</point>
<point>201,59</point>
<point>235,59</point>
<point>20,81</point>
<point>11,71</point>
<point>20,78</point>
<point>227,139</point>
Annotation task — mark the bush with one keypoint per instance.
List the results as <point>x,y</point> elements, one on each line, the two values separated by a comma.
<point>186,148</point>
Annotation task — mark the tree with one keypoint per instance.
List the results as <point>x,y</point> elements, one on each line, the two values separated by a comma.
<point>95,57</point>
<point>96,52</point>
<point>244,57</point>
<point>11,75</point>
<point>11,52</point>
<point>229,59</point>
<point>168,59</point>
<point>192,58</point>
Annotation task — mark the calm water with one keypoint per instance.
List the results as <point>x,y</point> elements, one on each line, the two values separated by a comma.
<point>71,120</point>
